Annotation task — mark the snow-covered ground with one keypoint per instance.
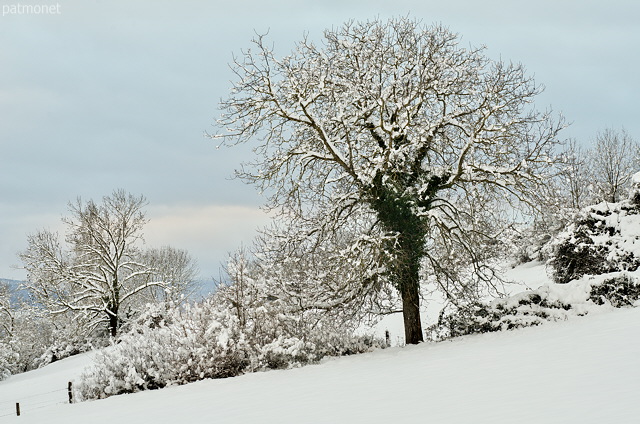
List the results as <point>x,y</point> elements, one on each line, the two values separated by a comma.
<point>584,370</point>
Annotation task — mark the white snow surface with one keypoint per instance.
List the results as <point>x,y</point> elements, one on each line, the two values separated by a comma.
<point>584,370</point>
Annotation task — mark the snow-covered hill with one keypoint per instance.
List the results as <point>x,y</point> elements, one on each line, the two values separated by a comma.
<point>585,370</point>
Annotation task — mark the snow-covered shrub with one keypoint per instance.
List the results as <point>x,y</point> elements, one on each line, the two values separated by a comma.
<point>550,302</point>
<point>210,340</point>
<point>26,339</point>
<point>523,310</point>
<point>31,337</point>
<point>288,352</point>
<point>65,340</point>
<point>604,238</point>
<point>281,322</point>
<point>245,326</point>
<point>8,360</point>
<point>576,254</point>
<point>177,347</point>
<point>619,291</point>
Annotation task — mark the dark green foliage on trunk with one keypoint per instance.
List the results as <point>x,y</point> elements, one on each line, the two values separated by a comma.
<point>397,214</point>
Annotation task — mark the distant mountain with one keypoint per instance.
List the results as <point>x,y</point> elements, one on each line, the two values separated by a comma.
<point>11,283</point>
<point>17,294</point>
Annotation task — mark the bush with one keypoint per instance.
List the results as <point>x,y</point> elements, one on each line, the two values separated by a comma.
<point>523,310</point>
<point>553,302</point>
<point>30,337</point>
<point>601,240</point>
<point>8,360</point>
<point>169,348</point>
<point>179,346</point>
<point>293,352</point>
<point>619,291</point>
<point>286,352</point>
<point>578,255</point>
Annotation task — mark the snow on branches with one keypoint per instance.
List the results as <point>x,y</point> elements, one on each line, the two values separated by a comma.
<point>392,125</point>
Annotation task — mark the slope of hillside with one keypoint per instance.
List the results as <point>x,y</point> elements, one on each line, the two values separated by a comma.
<point>585,370</point>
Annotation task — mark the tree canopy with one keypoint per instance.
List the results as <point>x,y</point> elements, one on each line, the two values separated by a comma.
<point>391,142</point>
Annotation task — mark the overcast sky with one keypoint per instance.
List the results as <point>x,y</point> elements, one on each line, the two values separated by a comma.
<point>118,94</point>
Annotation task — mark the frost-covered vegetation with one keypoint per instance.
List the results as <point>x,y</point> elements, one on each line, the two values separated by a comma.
<point>90,287</point>
<point>35,341</point>
<point>603,238</point>
<point>260,321</point>
<point>216,339</point>
<point>551,302</point>
<point>593,262</point>
<point>397,143</point>
<point>30,337</point>
<point>101,275</point>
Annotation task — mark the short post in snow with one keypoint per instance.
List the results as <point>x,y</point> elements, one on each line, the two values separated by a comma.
<point>17,409</point>
<point>70,392</point>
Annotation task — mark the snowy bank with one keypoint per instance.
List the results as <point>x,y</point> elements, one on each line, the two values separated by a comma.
<point>584,370</point>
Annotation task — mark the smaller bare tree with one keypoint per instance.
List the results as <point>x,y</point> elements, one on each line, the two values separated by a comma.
<point>101,273</point>
<point>615,158</point>
<point>240,289</point>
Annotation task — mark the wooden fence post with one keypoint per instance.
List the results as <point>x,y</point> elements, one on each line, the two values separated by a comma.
<point>17,409</point>
<point>70,393</point>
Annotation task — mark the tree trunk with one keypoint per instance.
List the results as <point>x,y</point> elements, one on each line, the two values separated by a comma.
<point>411,313</point>
<point>113,322</point>
<point>114,304</point>
<point>407,272</point>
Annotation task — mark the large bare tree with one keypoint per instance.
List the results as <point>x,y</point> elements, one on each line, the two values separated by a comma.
<point>396,132</point>
<point>101,271</point>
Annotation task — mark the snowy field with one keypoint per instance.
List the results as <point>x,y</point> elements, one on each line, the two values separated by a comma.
<point>584,370</point>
